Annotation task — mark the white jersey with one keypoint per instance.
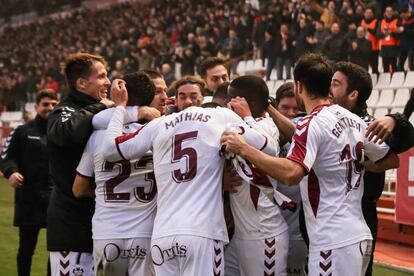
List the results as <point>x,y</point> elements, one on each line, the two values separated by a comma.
<point>330,144</point>
<point>256,217</point>
<point>187,164</point>
<point>125,193</point>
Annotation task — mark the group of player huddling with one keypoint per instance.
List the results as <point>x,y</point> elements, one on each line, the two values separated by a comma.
<point>158,186</point>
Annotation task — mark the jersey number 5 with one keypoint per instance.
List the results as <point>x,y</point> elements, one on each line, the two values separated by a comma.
<point>189,153</point>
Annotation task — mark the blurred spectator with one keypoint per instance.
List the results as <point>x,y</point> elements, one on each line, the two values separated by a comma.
<point>407,39</point>
<point>269,52</point>
<point>336,46</point>
<point>301,43</point>
<point>319,37</point>
<point>371,25</point>
<point>214,72</point>
<point>328,15</point>
<point>167,74</point>
<point>186,57</point>
<point>285,52</point>
<point>360,48</point>
<point>388,32</point>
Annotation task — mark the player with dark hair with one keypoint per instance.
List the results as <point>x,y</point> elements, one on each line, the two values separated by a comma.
<point>69,237</point>
<point>189,228</point>
<point>160,98</point>
<point>285,100</point>
<point>24,162</point>
<point>214,72</point>
<point>326,157</point>
<point>260,241</point>
<point>124,194</point>
<point>188,92</point>
<point>350,88</point>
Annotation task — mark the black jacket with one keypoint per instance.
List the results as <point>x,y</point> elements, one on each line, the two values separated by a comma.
<point>335,48</point>
<point>25,151</point>
<point>69,219</point>
<point>360,54</point>
<point>400,140</point>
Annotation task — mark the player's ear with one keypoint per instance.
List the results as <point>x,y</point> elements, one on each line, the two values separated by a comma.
<point>353,95</point>
<point>80,84</point>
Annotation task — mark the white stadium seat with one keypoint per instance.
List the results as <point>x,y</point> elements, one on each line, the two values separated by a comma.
<point>278,84</point>
<point>270,85</point>
<point>401,97</point>
<point>373,99</point>
<point>29,107</point>
<point>409,80</point>
<point>241,67</point>
<point>397,110</point>
<point>273,75</point>
<point>386,98</point>
<point>374,79</point>
<point>397,80</point>
<point>384,80</point>
<point>250,66</point>
<point>10,116</point>
<point>258,65</point>
<point>380,112</point>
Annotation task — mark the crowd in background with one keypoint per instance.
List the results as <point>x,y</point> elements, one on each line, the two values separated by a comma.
<point>161,34</point>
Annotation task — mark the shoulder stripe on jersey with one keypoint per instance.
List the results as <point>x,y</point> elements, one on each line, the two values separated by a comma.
<point>314,191</point>
<point>124,138</point>
<point>84,176</point>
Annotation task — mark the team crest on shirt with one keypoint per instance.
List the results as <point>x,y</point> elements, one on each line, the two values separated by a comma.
<point>78,271</point>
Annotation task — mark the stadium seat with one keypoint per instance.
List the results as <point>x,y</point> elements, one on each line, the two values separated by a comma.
<point>409,80</point>
<point>250,66</point>
<point>397,80</point>
<point>273,75</point>
<point>258,65</point>
<point>373,99</point>
<point>401,97</point>
<point>29,107</point>
<point>397,110</point>
<point>10,116</point>
<point>270,85</point>
<point>278,84</point>
<point>384,80</point>
<point>380,112</point>
<point>386,98</point>
<point>374,79</point>
<point>241,67</point>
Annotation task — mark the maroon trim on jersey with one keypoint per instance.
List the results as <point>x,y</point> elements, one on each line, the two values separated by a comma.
<point>318,108</point>
<point>124,138</point>
<point>218,259</point>
<point>269,258</point>
<point>258,176</point>
<point>84,176</point>
<point>325,262</point>
<point>265,144</point>
<point>313,191</point>
<point>254,195</point>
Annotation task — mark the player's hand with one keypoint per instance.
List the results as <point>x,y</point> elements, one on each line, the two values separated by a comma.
<point>233,142</point>
<point>148,113</point>
<point>16,180</point>
<point>107,102</point>
<point>119,93</point>
<point>240,106</point>
<point>380,129</point>
<point>231,180</point>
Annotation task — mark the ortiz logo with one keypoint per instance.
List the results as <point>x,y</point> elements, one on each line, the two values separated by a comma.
<point>159,256</point>
<point>113,252</point>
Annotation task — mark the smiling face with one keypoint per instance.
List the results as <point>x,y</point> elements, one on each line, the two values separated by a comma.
<point>188,95</point>
<point>45,106</point>
<point>97,83</point>
<point>160,97</point>
<point>216,76</point>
